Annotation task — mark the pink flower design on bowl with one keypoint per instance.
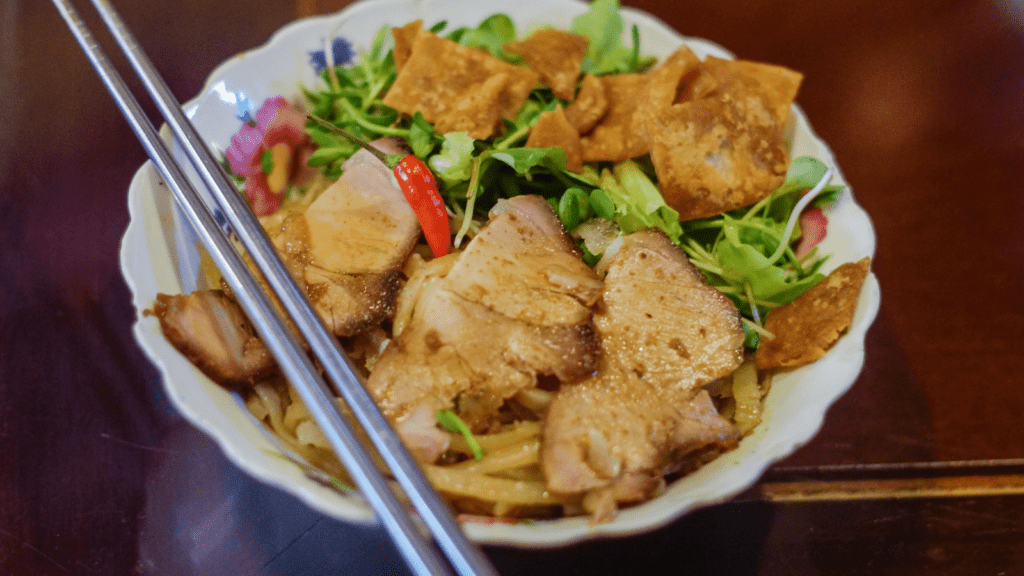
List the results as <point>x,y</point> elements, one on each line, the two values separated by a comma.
<point>270,154</point>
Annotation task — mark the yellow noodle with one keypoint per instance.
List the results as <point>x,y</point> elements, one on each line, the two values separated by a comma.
<point>509,457</point>
<point>256,406</point>
<point>519,432</point>
<point>296,413</point>
<point>487,488</point>
<point>747,394</point>
<point>274,405</point>
<point>307,432</point>
<point>508,479</point>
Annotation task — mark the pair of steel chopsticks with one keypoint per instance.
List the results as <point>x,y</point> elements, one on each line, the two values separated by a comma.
<point>420,555</point>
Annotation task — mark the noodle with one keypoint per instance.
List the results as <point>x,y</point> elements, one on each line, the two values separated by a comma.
<point>747,396</point>
<point>519,431</point>
<point>507,481</point>
<point>489,488</point>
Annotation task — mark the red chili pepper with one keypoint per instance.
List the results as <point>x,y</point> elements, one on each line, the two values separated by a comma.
<point>420,189</point>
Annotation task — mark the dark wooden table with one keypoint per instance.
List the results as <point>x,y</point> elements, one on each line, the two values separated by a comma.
<point>918,469</point>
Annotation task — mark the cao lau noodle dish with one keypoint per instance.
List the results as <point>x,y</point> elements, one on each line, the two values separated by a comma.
<point>620,255</point>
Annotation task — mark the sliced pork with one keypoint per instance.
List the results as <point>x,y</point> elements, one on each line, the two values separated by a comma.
<point>347,248</point>
<point>211,331</point>
<point>513,306</point>
<point>664,333</point>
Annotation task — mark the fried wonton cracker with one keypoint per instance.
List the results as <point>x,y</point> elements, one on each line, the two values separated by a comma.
<point>553,130</point>
<point>404,38</point>
<point>710,157</point>
<point>457,87</point>
<point>589,106</point>
<point>724,149</point>
<point>613,138</point>
<point>474,110</point>
<point>556,55</point>
<point>809,325</point>
<point>775,84</point>
<point>682,77</point>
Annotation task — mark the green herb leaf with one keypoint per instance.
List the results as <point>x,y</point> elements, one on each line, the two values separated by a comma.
<point>491,35</point>
<point>451,422</point>
<point>638,203</point>
<point>606,53</point>
<point>325,156</point>
<point>522,160</point>
<point>422,137</point>
<point>454,163</point>
<point>573,208</point>
<point>804,173</point>
<point>602,204</point>
<point>735,250</point>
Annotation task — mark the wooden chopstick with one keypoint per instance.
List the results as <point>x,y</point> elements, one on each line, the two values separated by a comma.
<point>421,557</point>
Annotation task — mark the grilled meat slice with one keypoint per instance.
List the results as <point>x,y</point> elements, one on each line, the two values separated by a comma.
<point>347,248</point>
<point>514,305</point>
<point>664,333</point>
<point>526,267</point>
<point>663,322</point>
<point>211,331</point>
<point>348,302</point>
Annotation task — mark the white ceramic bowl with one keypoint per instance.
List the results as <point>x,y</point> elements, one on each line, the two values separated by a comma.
<point>158,254</point>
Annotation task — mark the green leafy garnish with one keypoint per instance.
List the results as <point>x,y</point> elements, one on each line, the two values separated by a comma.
<point>451,422</point>
<point>352,101</point>
<point>606,53</point>
<point>638,203</point>
<point>491,35</point>
<point>454,163</point>
<point>524,160</point>
<point>745,253</point>
<point>422,138</point>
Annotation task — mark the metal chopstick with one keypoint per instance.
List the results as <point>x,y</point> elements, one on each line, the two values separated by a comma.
<point>421,557</point>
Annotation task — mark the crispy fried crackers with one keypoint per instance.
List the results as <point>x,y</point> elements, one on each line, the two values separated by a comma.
<point>554,130</point>
<point>404,38</point>
<point>714,155</point>
<point>715,131</point>
<point>590,105</point>
<point>556,55</point>
<point>455,87</point>
<point>714,128</point>
<point>808,326</point>
<point>612,139</point>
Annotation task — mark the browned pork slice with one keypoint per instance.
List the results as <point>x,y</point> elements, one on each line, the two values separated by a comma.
<point>665,333</point>
<point>526,267</point>
<point>514,305</point>
<point>211,331</point>
<point>347,248</point>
